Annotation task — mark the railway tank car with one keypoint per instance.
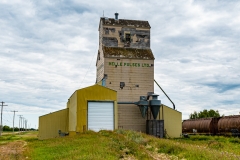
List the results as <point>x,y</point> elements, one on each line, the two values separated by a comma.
<point>228,125</point>
<point>200,126</point>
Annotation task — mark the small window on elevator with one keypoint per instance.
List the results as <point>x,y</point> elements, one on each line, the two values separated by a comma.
<point>128,37</point>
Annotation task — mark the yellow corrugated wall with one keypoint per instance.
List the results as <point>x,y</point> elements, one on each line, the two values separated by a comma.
<point>81,97</point>
<point>50,124</point>
<point>172,121</point>
<point>72,105</point>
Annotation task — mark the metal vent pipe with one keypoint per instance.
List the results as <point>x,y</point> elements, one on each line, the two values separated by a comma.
<point>165,94</point>
<point>116,16</point>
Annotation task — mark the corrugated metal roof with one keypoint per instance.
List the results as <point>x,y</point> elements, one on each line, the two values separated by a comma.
<point>134,53</point>
<point>125,22</point>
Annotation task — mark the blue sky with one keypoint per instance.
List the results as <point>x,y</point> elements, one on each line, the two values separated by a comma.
<point>48,50</point>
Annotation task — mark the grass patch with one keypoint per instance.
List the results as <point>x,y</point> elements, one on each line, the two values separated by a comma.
<point>169,149</point>
<point>88,145</point>
<point>12,145</point>
<point>124,144</point>
<point>235,140</point>
<point>215,144</point>
<point>228,147</point>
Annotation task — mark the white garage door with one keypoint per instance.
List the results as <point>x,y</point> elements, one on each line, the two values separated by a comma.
<point>100,116</point>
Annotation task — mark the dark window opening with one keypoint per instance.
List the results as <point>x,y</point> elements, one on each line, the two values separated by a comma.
<point>128,38</point>
<point>122,84</point>
<point>98,55</point>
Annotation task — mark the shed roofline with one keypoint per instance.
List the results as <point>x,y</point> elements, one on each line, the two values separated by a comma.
<point>93,86</point>
<point>170,108</point>
<point>89,87</point>
<point>72,95</point>
<point>53,112</point>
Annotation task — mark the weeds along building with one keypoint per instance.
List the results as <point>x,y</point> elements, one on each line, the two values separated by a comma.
<point>124,82</point>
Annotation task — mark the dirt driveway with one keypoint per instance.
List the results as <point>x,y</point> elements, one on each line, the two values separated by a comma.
<point>13,150</point>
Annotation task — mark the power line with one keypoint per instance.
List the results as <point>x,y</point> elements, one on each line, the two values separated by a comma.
<point>13,118</point>
<point>1,117</point>
<point>5,120</point>
<point>7,111</point>
<point>9,117</point>
<point>88,68</point>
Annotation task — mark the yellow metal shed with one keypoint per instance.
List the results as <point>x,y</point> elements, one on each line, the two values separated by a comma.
<point>50,124</point>
<point>172,121</point>
<point>91,107</point>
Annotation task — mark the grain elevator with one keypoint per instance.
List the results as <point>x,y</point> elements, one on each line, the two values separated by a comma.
<point>125,63</point>
<point>123,96</point>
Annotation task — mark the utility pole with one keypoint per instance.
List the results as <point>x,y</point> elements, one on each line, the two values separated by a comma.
<point>13,118</point>
<point>20,121</point>
<point>22,124</point>
<point>26,125</point>
<point>1,127</point>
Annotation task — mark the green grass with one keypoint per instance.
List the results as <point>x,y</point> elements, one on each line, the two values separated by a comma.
<point>217,143</point>
<point>12,145</point>
<point>122,144</point>
<point>6,138</point>
<point>89,145</point>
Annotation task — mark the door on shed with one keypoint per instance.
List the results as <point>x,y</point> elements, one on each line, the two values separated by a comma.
<point>100,116</point>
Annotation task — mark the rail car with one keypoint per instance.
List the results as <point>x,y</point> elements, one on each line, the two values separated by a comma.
<point>227,125</point>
